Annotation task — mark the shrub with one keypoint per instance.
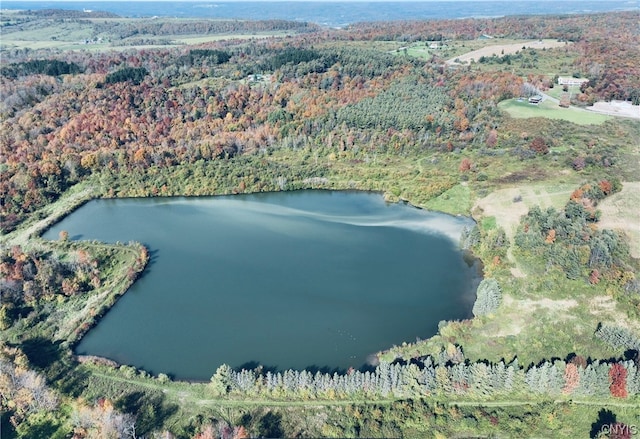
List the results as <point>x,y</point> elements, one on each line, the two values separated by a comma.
<point>465,165</point>
<point>579,163</point>
<point>488,297</point>
<point>539,145</point>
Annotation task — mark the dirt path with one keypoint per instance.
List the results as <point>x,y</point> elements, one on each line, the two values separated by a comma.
<point>501,204</point>
<point>49,214</point>
<point>178,391</point>
<point>504,49</point>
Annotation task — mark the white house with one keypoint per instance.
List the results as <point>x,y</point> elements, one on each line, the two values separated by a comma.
<point>565,80</point>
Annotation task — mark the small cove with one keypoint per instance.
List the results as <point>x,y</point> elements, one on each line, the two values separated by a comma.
<point>305,279</point>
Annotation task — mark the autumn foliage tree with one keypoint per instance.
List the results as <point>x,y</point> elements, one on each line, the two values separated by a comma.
<point>492,138</point>
<point>539,146</point>
<point>571,378</point>
<point>618,380</point>
<point>102,420</point>
<point>22,391</point>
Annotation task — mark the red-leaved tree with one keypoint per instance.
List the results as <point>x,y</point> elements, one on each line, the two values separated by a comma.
<point>618,381</point>
<point>539,145</point>
<point>465,165</point>
<point>571,378</point>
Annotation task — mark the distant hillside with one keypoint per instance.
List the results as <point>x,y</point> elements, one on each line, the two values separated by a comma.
<point>65,13</point>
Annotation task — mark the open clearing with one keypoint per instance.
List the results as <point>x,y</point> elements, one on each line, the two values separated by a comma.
<point>153,42</point>
<point>522,109</point>
<point>500,204</point>
<point>620,212</point>
<point>616,108</point>
<point>505,49</point>
<point>507,213</point>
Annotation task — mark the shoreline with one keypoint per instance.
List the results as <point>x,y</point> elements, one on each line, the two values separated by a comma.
<point>88,322</point>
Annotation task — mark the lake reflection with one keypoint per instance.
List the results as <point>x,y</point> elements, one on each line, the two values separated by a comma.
<point>306,279</point>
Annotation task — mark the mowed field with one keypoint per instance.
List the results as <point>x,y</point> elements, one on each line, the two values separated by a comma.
<point>507,212</point>
<point>506,49</point>
<point>103,34</point>
<point>522,109</point>
<point>620,212</point>
<point>35,42</point>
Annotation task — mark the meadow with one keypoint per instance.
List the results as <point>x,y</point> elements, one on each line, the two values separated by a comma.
<point>522,109</point>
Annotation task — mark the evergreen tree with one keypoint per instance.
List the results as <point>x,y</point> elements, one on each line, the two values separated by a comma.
<point>442,380</point>
<point>222,381</point>
<point>460,378</point>
<point>618,337</point>
<point>480,380</point>
<point>633,378</point>
<point>488,297</point>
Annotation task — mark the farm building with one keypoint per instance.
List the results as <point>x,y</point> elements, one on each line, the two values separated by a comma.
<point>565,80</point>
<point>535,99</point>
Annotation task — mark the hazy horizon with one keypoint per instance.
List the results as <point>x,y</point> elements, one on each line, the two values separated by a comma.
<point>300,1</point>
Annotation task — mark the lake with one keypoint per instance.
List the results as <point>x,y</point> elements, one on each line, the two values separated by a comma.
<point>331,13</point>
<point>304,279</point>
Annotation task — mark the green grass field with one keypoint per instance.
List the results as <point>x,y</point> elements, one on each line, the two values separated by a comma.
<point>456,201</point>
<point>557,92</point>
<point>548,109</point>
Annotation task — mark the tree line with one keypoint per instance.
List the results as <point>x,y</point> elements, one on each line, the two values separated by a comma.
<point>50,67</point>
<point>127,29</point>
<point>448,376</point>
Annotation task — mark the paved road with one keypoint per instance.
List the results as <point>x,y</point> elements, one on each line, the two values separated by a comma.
<point>551,98</point>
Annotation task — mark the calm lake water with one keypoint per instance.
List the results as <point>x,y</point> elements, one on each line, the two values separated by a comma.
<point>307,279</point>
<point>333,13</point>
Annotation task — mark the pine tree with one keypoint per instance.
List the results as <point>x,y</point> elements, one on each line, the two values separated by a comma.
<point>383,374</point>
<point>480,379</point>
<point>427,378</point>
<point>443,382</point>
<point>460,378</point>
<point>617,337</point>
<point>222,380</point>
<point>633,378</point>
<point>488,297</point>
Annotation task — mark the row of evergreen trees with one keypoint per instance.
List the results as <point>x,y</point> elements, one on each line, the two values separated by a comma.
<point>479,380</point>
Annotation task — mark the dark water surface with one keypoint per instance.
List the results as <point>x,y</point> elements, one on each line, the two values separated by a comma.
<point>288,280</point>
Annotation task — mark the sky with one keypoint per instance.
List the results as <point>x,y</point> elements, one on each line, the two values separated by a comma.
<point>302,1</point>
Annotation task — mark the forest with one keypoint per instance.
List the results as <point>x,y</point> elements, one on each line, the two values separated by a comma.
<point>552,349</point>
